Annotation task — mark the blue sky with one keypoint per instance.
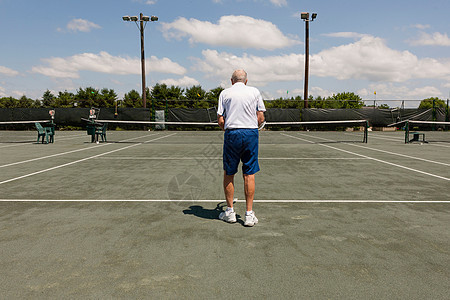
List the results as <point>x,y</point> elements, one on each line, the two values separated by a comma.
<point>400,49</point>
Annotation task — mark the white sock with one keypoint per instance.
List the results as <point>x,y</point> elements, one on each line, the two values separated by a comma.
<point>230,209</point>
<point>247,213</point>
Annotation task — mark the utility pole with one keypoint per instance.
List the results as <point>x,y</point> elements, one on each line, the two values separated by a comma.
<point>141,28</point>
<point>305,89</point>
<point>144,92</point>
<point>305,17</point>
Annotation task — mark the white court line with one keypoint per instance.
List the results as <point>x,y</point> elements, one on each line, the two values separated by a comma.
<point>372,158</point>
<point>81,160</point>
<point>220,158</point>
<point>374,136</point>
<point>68,152</point>
<point>64,138</point>
<point>439,144</point>
<point>392,153</point>
<point>222,200</point>
<point>404,155</point>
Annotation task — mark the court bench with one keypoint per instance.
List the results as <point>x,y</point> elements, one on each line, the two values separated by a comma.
<point>416,137</point>
<point>95,130</point>
<point>47,132</point>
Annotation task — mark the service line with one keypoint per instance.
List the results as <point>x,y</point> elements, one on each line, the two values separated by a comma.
<point>81,160</point>
<point>372,158</point>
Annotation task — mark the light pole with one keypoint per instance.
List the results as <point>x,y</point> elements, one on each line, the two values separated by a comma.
<point>141,28</point>
<point>305,17</point>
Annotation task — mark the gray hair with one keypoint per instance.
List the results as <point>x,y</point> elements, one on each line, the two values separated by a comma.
<point>239,76</point>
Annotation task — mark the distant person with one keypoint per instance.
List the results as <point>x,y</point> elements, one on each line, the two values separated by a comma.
<point>240,112</point>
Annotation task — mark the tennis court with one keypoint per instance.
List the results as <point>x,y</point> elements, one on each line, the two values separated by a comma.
<point>136,217</point>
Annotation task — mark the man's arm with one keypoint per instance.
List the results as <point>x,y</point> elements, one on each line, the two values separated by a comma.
<point>260,115</point>
<point>221,122</point>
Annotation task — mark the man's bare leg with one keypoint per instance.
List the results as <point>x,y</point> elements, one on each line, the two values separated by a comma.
<point>249,187</point>
<point>228,187</point>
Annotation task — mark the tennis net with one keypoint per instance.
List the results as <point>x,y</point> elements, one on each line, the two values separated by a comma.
<point>426,131</point>
<point>318,131</point>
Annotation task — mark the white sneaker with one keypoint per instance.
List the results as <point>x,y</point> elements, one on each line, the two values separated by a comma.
<point>250,220</point>
<point>228,216</point>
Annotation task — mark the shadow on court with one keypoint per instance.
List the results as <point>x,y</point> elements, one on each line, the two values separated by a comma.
<point>209,214</point>
<point>204,213</point>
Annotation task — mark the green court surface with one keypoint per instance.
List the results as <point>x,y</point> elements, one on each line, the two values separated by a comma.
<point>136,218</point>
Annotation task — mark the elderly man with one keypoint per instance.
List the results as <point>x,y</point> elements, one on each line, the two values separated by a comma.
<point>240,112</point>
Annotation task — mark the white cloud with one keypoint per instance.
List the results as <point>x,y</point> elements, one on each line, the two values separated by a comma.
<point>8,72</point>
<point>81,25</point>
<point>104,63</point>
<point>233,31</point>
<point>183,82</point>
<point>435,39</point>
<point>279,2</point>
<point>315,91</point>
<point>148,2</point>
<point>421,26</point>
<point>353,35</point>
<point>370,59</point>
<point>17,94</point>
<point>2,92</point>
<point>261,70</point>
<point>367,59</point>
<point>391,91</point>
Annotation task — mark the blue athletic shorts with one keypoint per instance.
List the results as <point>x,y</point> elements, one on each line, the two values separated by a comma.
<point>240,145</point>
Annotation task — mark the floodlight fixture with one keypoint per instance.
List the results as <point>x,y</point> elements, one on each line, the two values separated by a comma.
<point>154,18</point>
<point>134,18</point>
<point>145,18</point>
<point>304,15</point>
<point>314,15</point>
<point>126,18</point>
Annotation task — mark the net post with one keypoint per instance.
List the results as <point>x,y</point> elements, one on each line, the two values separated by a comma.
<point>407,132</point>
<point>433,115</point>
<point>447,117</point>
<point>166,110</point>
<point>366,131</point>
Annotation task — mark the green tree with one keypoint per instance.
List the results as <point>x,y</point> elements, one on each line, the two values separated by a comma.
<point>319,102</point>
<point>428,103</point>
<point>8,102</point>
<point>196,97</point>
<point>106,98</point>
<point>345,100</point>
<point>48,99</point>
<point>175,97</point>
<point>158,95</point>
<point>132,99</point>
<point>87,97</point>
<point>65,99</point>
<point>213,96</point>
<point>26,102</point>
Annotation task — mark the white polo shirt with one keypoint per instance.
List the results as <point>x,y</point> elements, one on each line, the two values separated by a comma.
<point>238,104</point>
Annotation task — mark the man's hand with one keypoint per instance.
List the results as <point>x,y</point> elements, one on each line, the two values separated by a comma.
<point>221,122</point>
<point>260,115</point>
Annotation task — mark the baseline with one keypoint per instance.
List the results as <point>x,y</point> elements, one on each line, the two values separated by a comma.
<point>81,160</point>
<point>240,201</point>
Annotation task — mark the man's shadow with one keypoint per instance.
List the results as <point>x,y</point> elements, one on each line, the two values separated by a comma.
<point>204,213</point>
